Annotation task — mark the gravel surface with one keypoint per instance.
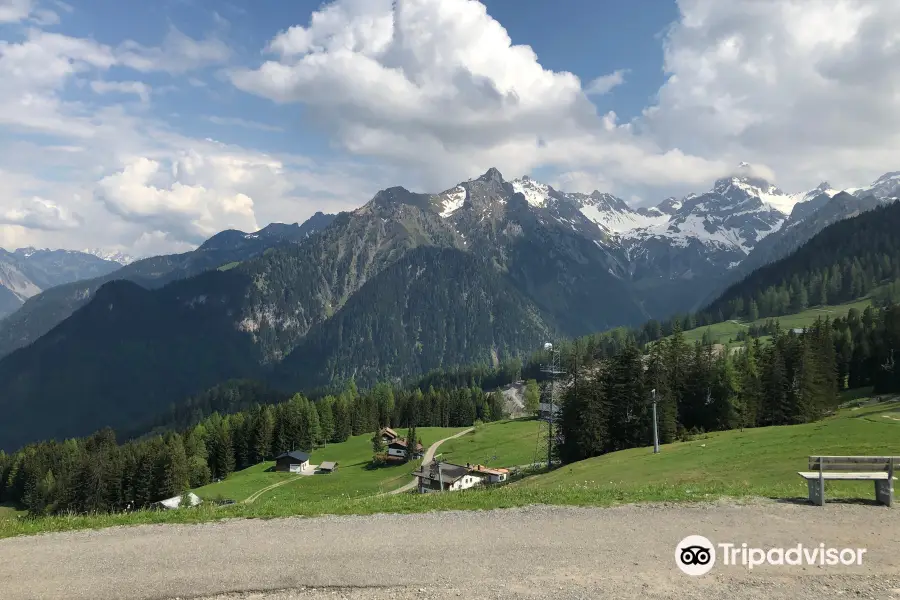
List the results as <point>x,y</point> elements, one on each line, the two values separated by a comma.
<point>626,552</point>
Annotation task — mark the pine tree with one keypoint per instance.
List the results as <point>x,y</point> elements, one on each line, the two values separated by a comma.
<point>326,417</point>
<point>263,425</point>
<point>532,397</point>
<point>753,311</point>
<point>582,422</point>
<point>627,422</point>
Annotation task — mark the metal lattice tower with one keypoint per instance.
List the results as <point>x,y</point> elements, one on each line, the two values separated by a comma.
<point>545,437</point>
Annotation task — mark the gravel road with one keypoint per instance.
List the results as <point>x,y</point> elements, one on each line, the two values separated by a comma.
<point>626,552</point>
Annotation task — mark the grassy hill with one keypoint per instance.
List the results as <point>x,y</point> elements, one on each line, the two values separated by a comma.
<point>761,461</point>
<point>750,463</point>
<point>499,444</point>
<point>353,478</point>
<point>728,330</point>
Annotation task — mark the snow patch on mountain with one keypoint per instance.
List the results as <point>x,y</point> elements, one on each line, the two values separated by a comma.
<point>452,200</point>
<point>620,221</point>
<point>111,255</point>
<point>536,193</point>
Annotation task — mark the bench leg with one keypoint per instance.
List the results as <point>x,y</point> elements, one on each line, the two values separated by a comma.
<point>884,491</point>
<point>815,492</point>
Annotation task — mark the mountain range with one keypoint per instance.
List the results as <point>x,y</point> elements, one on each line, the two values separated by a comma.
<point>27,272</point>
<point>41,312</point>
<point>409,282</point>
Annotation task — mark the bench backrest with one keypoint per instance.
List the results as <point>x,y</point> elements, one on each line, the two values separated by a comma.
<point>854,464</point>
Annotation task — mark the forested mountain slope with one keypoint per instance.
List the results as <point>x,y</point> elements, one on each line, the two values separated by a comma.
<point>408,320</point>
<point>843,262</point>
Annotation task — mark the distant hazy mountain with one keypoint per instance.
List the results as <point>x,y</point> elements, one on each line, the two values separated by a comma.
<point>43,311</point>
<point>28,271</point>
<point>111,255</point>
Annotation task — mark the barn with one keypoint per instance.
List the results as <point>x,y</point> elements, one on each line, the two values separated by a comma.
<point>293,462</point>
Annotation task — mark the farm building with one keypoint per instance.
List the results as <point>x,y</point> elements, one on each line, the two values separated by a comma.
<point>293,462</point>
<point>451,477</point>
<point>399,449</point>
<point>494,474</point>
<point>328,467</point>
<point>388,435</point>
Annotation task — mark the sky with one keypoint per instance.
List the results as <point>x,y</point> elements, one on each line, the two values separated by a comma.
<point>147,127</point>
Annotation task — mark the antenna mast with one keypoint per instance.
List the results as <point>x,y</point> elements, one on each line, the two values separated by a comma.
<point>545,429</point>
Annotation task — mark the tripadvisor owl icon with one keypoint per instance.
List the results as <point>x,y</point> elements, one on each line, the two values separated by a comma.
<point>695,555</point>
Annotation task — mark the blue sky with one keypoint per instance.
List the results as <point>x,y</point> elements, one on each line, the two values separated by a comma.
<point>148,126</point>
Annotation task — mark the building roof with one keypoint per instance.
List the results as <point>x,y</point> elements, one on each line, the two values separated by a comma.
<point>401,442</point>
<point>390,432</point>
<point>449,472</point>
<point>328,465</point>
<point>295,454</point>
<point>490,470</point>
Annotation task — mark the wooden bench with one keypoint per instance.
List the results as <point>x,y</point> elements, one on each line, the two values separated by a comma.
<point>878,469</point>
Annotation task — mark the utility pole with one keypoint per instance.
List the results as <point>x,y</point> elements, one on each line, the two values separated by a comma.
<point>655,430</point>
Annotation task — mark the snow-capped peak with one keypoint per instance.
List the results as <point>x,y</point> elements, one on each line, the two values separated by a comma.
<point>885,188</point>
<point>110,255</point>
<point>29,251</point>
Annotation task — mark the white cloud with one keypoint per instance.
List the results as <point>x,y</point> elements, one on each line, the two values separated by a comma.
<point>435,91</point>
<point>605,83</point>
<point>809,87</point>
<point>39,213</point>
<point>13,11</point>
<point>174,200</point>
<point>439,87</point>
<point>138,88</point>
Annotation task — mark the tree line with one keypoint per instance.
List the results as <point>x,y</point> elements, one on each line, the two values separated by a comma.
<point>98,474</point>
<point>794,379</point>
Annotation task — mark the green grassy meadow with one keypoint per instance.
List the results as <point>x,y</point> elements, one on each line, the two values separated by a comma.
<point>9,512</point>
<point>722,332</point>
<point>499,444</point>
<point>760,462</point>
<point>352,479</point>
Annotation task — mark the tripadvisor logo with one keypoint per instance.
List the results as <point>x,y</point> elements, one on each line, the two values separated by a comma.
<point>695,555</point>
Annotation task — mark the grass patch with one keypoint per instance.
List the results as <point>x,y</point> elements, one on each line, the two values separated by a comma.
<point>499,444</point>
<point>722,332</point>
<point>762,460</point>
<point>734,464</point>
<point>229,266</point>
<point>8,511</point>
